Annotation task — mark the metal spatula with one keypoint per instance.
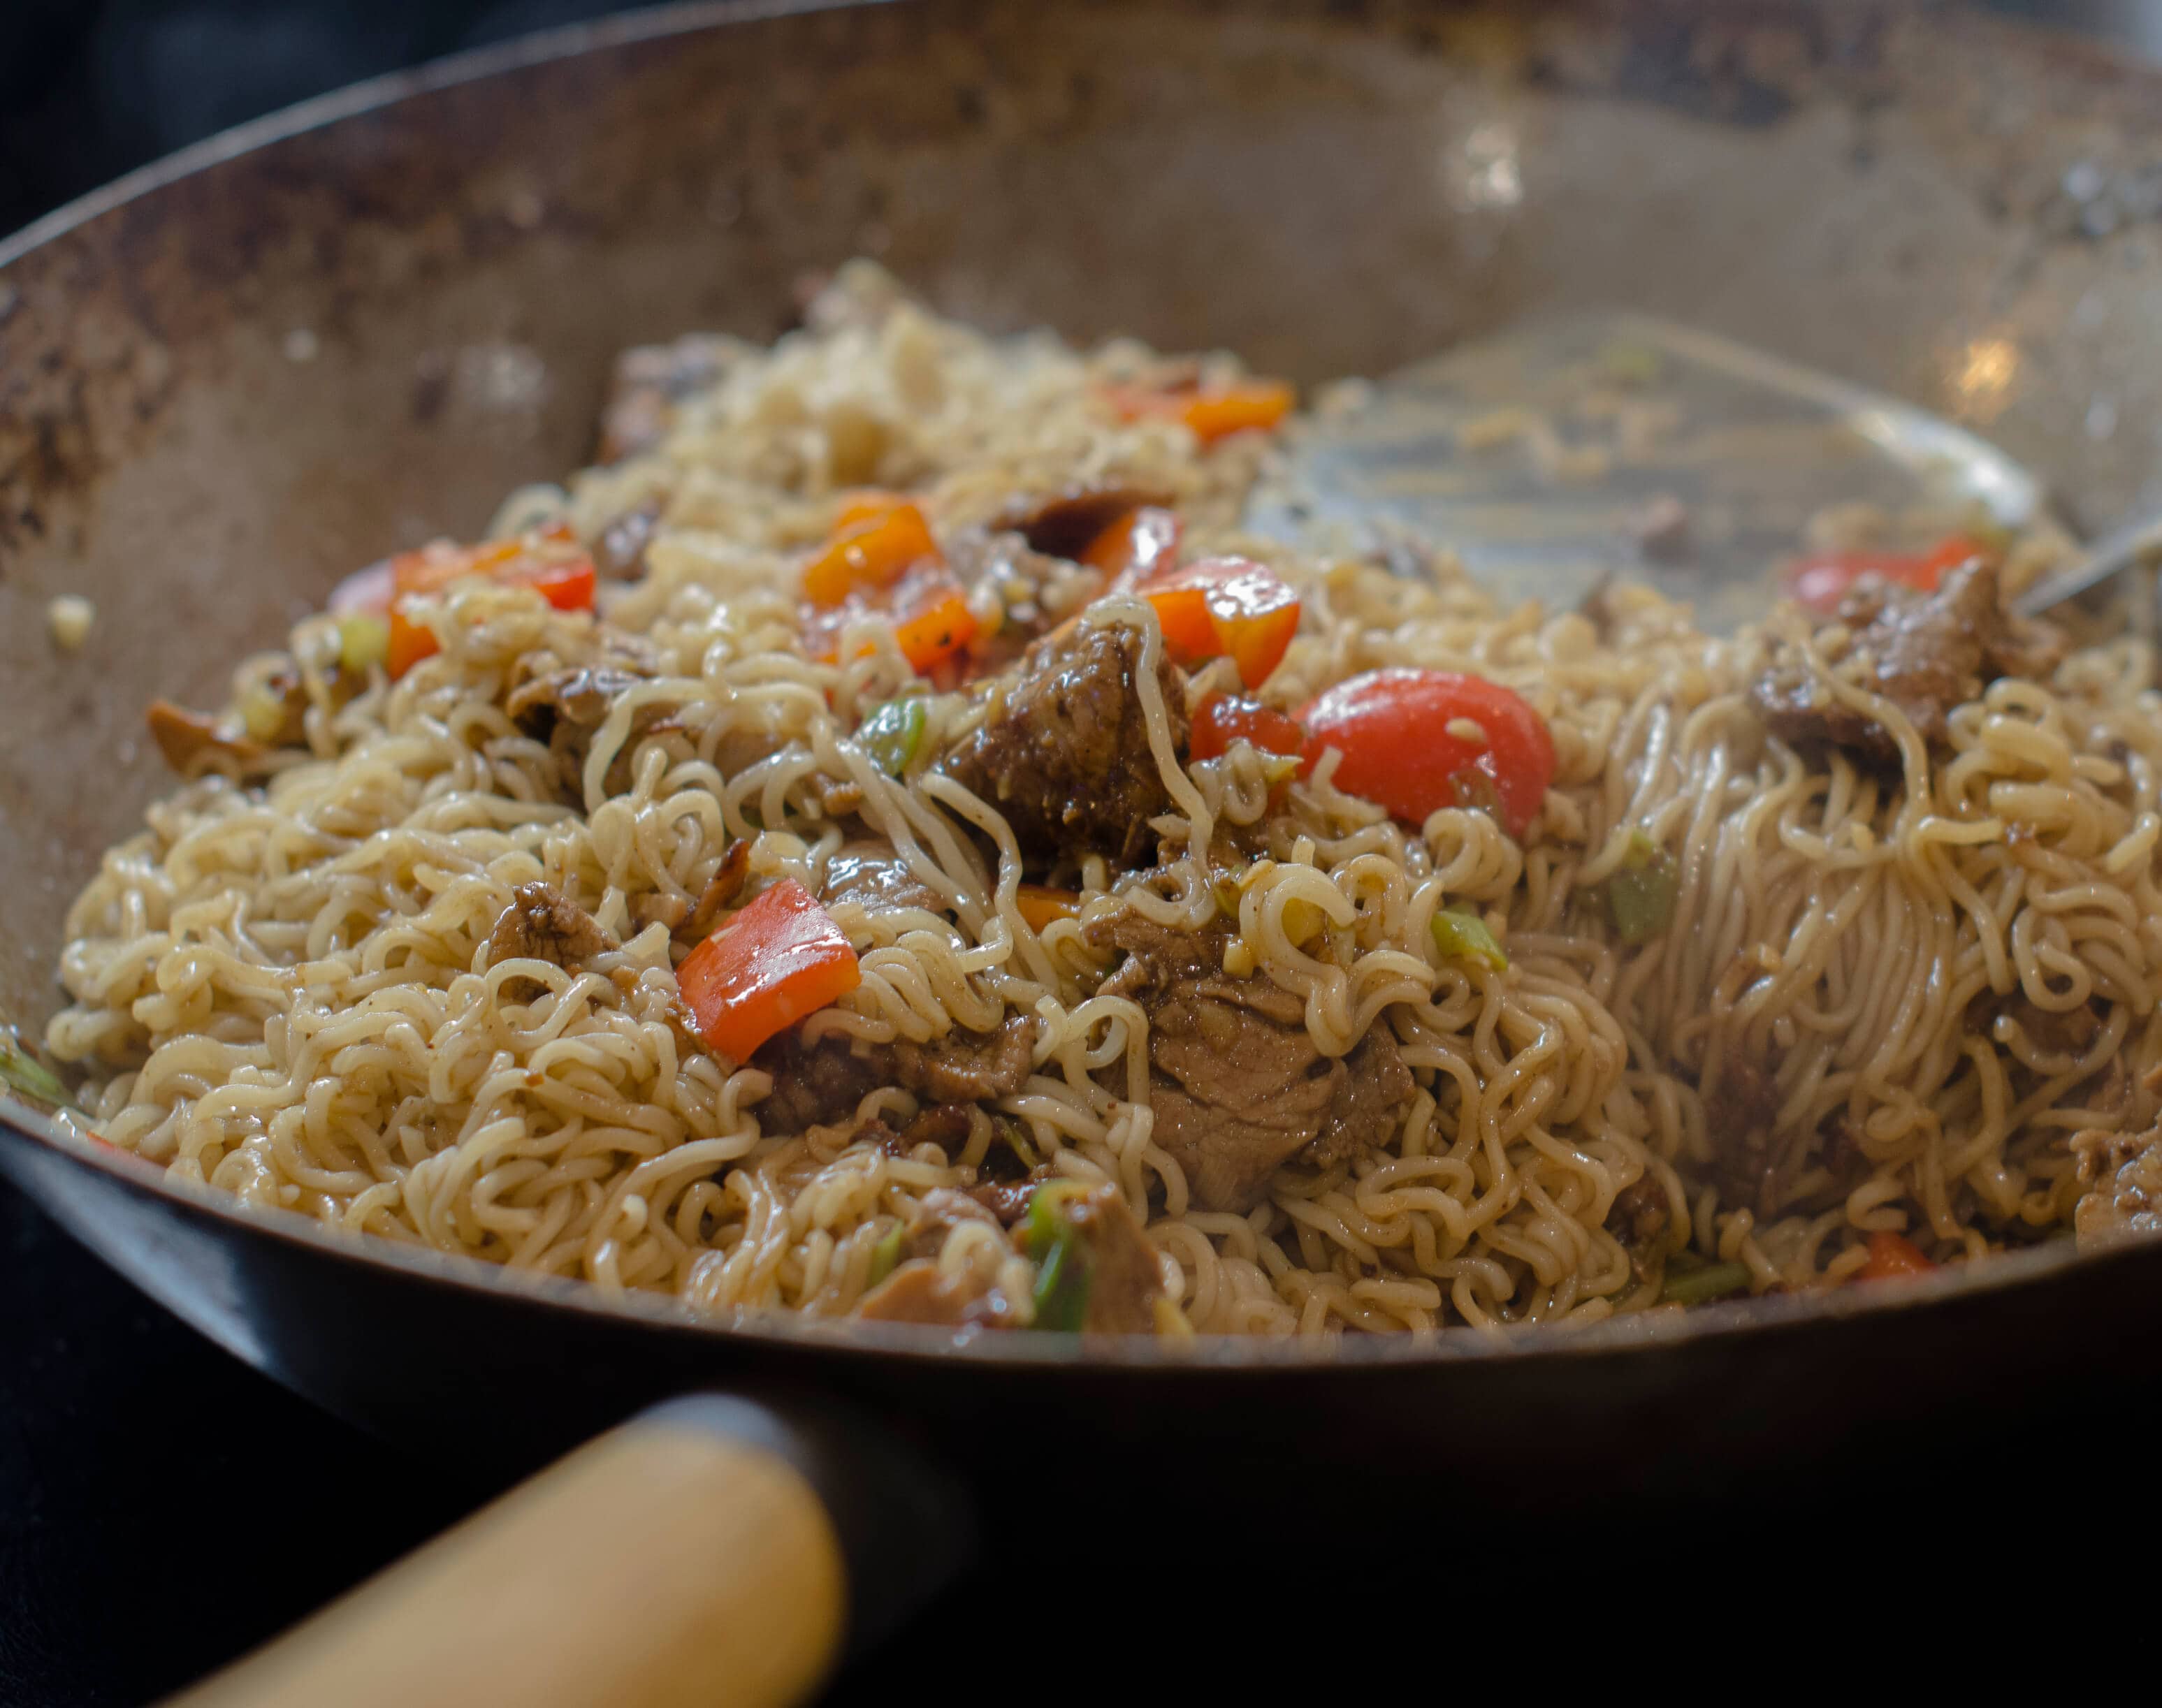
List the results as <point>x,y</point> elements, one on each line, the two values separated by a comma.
<point>1618,445</point>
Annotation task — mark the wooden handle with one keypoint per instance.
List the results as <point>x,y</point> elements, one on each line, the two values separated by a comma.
<point>669,1563</point>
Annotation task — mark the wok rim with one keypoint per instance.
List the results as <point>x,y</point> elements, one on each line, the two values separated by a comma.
<point>1514,1346</point>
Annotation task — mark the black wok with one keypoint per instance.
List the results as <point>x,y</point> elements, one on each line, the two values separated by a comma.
<point>230,379</point>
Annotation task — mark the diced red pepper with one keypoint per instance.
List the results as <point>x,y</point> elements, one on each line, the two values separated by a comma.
<point>1820,580</point>
<point>567,585</point>
<point>1230,717</point>
<point>1139,544</point>
<point>779,959</point>
<point>1416,741</point>
<point>549,561</point>
<point>871,553</point>
<point>1893,1257</point>
<point>1216,607</point>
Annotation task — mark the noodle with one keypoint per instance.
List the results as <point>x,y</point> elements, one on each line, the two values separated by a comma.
<point>287,991</point>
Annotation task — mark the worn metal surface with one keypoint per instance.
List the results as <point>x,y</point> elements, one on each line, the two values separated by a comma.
<point>226,383</point>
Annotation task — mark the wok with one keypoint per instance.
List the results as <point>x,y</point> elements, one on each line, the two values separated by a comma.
<point>228,379</point>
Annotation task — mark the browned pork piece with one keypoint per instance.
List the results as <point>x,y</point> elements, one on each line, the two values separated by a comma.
<point>1067,523</point>
<point>1108,1280</point>
<point>1124,1280</point>
<point>194,743</point>
<point>2123,1173</point>
<point>1064,751</point>
<point>919,1292</point>
<point>820,1085</point>
<point>543,924</point>
<point>1925,653</point>
<point>871,871</point>
<point>1237,1083</point>
<point>564,705</point>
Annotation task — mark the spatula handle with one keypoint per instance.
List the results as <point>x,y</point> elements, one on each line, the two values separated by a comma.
<point>690,1556</point>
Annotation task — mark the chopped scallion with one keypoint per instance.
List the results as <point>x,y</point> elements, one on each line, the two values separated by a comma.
<point>892,732</point>
<point>1464,936</point>
<point>1640,894</point>
<point>1701,1286</point>
<point>885,1256</point>
<point>29,1075</point>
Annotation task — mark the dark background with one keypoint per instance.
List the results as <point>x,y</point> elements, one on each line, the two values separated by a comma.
<point>163,1507</point>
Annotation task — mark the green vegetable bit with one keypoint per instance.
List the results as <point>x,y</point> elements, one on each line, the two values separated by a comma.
<point>364,642</point>
<point>1701,1286</point>
<point>1640,895</point>
<point>1051,1241</point>
<point>890,734</point>
<point>30,1077</point>
<point>885,1256</point>
<point>1017,1138</point>
<point>1462,935</point>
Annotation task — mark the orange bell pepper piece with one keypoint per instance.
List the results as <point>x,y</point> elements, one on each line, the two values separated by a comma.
<point>1040,905</point>
<point>549,561</point>
<point>1226,608</point>
<point>1212,412</point>
<point>872,553</point>
<point>1140,543</point>
<point>863,506</point>
<point>780,958</point>
<point>1893,1257</point>
<point>410,642</point>
<point>936,631</point>
<point>1250,405</point>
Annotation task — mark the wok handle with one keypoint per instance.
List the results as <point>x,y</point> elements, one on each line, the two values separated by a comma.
<point>713,1550</point>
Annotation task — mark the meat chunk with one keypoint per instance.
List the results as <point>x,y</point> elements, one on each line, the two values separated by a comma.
<point>968,1067</point>
<point>566,707</point>
<point>543,924</point>
<point>1064,751</point>
<point>821,1084</point>
<point>1237,1084</point>
<point>720,893</point>
<point>2124,1201</point>
<point>1641,1213</point>
<point>579,698</point>
<point>871,872</point>
<point>1067,523</point>
<point>1008,1200</point>
<point>2048,1032</point>
<point>815,1085</point>
<point>1925,654</point>
<point>194,743</point>
<point>1750,1167</point>
<point>1376,1088</point>
<point>1124,1279</point>
<point>920,1292</point>
<point>946,1125</point>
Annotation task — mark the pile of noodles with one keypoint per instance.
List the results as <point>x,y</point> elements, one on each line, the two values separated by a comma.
<point>285,991</point>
